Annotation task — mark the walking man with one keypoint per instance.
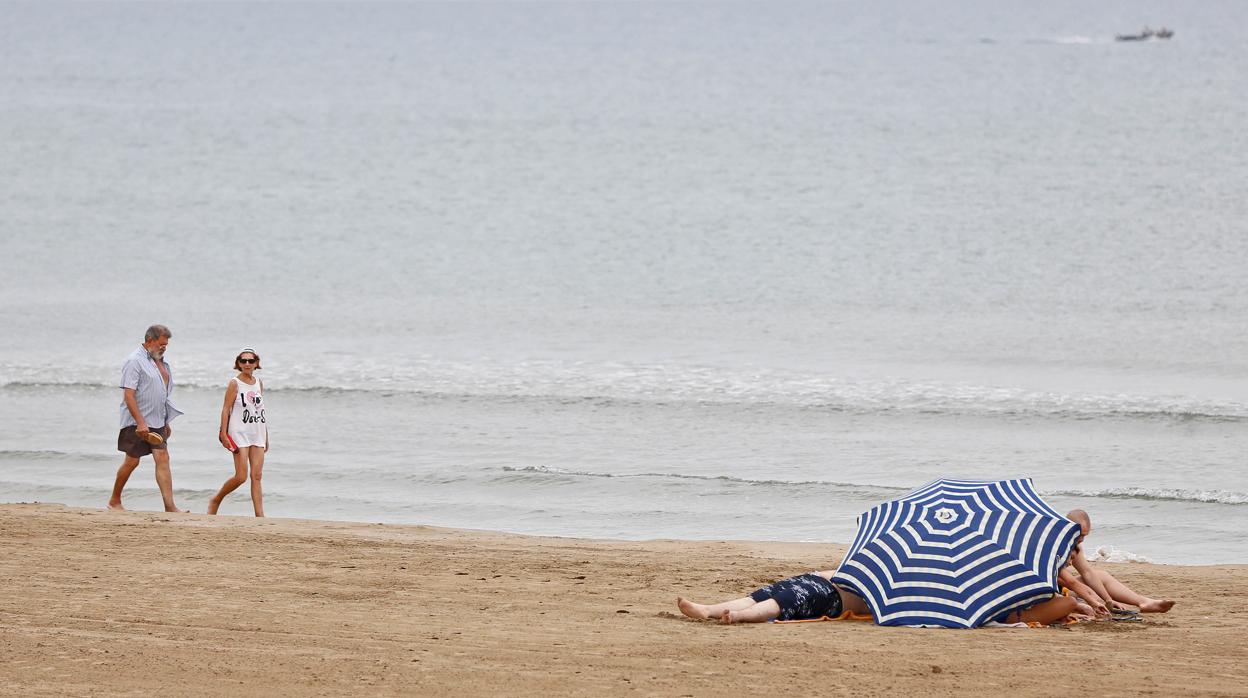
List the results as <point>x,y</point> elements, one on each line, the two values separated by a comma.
<point>146,411</point>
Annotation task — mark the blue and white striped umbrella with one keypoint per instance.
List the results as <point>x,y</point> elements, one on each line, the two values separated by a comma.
<point>957,553</point>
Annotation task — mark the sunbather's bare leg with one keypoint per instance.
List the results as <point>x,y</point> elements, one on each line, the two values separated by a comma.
<point>1157,605</point>
<point>760,612</point>
<point>1046,612</point>
<point>703,611</point>
<point>853,603</point>
<point>1122,592</point>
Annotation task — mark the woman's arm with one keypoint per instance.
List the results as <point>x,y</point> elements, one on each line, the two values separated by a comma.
<point>231,392</point>
<point>1089,576</point>
<point>266,416</point>
<point>1085,592</point>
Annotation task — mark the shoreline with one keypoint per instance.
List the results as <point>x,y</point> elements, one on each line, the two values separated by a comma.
<point>120,602</point>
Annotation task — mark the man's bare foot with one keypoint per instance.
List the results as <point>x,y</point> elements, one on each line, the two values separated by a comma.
<point>691,609</point>
<point>1156,606</point>
<point>213,505</point>
<point>176,510</point>
<point>115,506</point>
<point>726,619</point>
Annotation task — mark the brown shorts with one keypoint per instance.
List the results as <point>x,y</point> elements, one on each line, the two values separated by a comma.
<point>129,443</point>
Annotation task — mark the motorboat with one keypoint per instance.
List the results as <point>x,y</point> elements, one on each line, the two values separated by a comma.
<point>1145,35</point>
<point>1142,36</point>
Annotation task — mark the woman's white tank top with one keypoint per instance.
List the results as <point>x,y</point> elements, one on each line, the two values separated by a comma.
<point>248,426</point>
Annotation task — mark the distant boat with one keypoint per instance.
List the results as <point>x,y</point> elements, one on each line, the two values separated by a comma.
<point>1145,35</point>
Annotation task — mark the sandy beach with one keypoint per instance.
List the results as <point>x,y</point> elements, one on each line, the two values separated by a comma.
<point>131,603</point>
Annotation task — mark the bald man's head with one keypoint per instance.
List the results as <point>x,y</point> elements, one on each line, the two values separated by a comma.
<point>1081,517</point>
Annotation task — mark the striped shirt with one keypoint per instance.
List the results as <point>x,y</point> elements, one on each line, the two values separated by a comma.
<point>141,375</point>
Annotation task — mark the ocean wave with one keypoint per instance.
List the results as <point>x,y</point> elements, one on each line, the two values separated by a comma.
<point>1108,553</point>
<point>71,494</point>
<point>1161,494</point>
<point>882,492</point>
<point>641,384</point>
<point>51,455</point>
<point>859,488</point>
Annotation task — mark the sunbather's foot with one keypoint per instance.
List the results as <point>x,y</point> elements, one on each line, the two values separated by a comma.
<point>1156,606</point>
<point>727,618</point>
<point>691,609</point>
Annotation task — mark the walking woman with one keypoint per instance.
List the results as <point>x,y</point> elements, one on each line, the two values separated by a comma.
<point>244,431</point>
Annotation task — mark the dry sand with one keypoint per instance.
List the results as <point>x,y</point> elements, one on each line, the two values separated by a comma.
<point>136,603</point>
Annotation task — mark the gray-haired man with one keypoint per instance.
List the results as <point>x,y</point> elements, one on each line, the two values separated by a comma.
<point>146,411</point>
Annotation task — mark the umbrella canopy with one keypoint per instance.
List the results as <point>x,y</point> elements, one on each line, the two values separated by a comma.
<point>957,553</point>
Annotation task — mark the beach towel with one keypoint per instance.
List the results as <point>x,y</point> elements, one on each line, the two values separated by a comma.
<point>846,615</point>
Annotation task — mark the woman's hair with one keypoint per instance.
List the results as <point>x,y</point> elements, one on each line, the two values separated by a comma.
<point>238,366</point>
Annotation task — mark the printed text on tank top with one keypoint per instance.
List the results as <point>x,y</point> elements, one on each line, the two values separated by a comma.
<point>252,401</point>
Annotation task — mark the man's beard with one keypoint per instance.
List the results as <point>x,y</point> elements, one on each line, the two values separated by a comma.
<point>157,354</point>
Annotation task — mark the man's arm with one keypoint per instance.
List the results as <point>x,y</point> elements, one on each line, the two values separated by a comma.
<point>132,404</point>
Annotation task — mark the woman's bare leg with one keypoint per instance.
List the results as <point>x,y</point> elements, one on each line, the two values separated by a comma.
<point>257,472</point>
<point>240,476</point>
<point>853,603</point>
<point>1122,592</point>
<point>704,611</point>
<point>1045,612</point>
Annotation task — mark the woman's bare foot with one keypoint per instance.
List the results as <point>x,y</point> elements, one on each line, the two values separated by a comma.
<point>1156,606</point>
<point>176,510</point>
<point>213,505</point>
<point>115,506</point>
<point>691,609</point>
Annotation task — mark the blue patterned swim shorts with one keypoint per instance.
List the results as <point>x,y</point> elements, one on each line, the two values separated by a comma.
<point>802,597</point>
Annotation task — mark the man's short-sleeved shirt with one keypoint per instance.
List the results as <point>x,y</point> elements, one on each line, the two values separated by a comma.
<point>140,374</point>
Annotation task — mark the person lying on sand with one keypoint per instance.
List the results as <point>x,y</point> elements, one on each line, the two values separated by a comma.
<point>804,597</point>
<point>813,596</point>
<point>1100,585</point>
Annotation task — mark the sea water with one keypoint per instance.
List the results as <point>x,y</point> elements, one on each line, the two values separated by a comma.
<point>696,270</point>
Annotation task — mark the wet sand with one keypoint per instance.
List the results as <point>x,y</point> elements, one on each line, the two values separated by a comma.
<point>107,603</point>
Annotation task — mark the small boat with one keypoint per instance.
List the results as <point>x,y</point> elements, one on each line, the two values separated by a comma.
<point>1164,33</point>
<point>1142,36</point>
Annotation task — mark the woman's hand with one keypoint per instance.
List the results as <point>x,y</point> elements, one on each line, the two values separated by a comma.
<point>1099,607</point>
<point>225,442</point>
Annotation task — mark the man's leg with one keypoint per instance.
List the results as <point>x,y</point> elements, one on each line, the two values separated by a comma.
<point>164,478</point>
<point>703,611</point>
<point>123,474</point>
<point>760,612</point>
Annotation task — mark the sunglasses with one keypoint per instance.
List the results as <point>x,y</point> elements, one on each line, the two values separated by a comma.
<point>248,361</point>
